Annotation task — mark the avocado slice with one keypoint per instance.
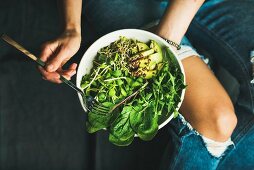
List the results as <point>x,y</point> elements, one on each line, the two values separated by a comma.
<point>145,73</point>
<point>147,52</point>
<point>149,74</point>
<point>152,65</point>
<point>154,45</point>
<point>156,57</point>
<point>143,62</point>
<point>148,62</point>
<point>141,55</point>
<point>134,50</point>
<point>142,46</point>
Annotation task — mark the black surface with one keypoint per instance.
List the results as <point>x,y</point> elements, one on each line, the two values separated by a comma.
<point>42,125</point>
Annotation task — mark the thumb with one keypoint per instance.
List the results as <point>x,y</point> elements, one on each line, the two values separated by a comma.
<point>58,60</point>
<point>47,50</point>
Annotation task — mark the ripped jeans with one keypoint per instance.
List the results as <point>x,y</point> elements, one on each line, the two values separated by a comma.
<point>222,28</point>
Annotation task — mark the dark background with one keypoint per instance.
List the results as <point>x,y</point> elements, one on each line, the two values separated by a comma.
<point>42,125</point>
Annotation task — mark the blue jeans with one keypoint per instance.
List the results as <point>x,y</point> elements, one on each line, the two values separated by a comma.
<point>222,28</point>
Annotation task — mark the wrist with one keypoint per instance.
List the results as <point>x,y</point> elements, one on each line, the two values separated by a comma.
<point>171,40</point>
<point>173,44</point>
<point>71,33</point>
<point>168,34</point>
<point>72,28</point>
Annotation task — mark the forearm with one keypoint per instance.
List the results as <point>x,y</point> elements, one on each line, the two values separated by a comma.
<point>177,19</point>
<point>70,11</point>
<point>57,52</point>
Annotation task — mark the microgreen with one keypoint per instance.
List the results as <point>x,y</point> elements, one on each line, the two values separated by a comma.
<point>141,95</point>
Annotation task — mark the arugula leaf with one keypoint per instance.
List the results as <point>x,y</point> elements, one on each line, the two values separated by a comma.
<point>111,80</point>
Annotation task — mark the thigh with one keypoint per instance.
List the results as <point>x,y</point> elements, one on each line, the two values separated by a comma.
<point>225,30</point>
<point>206,103</point>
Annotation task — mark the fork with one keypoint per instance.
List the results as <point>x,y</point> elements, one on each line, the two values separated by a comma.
<point>90,103</point>
<point>93,103</point>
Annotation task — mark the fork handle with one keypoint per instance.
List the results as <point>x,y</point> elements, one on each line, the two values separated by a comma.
<point>37,60</point>
<point>73,86</point>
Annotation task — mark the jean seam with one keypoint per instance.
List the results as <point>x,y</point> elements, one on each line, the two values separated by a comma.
<point>239,137</point>
<point>230,50</point>
<point>180,136</point>
<point>212,35</point>
<point>244,131</point>
<point>222,43</point>
<point>178,151</point>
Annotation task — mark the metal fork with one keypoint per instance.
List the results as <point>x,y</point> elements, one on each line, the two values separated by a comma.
<point>90,103</point>
<point>93,103</point>
<point>99,109</point>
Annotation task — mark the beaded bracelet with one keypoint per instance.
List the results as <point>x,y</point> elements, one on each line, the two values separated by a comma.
<point>177,46</point>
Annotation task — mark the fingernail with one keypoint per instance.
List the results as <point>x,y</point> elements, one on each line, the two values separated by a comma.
<point>50,67</point>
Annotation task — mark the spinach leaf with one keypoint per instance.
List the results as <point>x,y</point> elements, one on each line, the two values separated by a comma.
<point>121,133</point>
<point>111,80</point>
<point>97,121</point>
<point>119,141</point>
<point>144,123</point>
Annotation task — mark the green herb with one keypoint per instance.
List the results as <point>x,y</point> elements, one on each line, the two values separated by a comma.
<point>125,67</point>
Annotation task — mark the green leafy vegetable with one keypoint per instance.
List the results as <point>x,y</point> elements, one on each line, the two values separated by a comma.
<point>144,122</point>
<point>121,132</point>
<point>128,66</point>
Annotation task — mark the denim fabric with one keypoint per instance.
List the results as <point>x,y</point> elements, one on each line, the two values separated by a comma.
<point>108,16</point>
<point>50,134</point>
<point>224,29</point>
<point>186,150</point>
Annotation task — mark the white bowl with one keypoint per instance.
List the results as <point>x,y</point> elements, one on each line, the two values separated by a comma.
<point>86,62</point>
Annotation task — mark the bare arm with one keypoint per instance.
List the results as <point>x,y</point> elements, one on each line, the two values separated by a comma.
<point>206,104</point>
<point>177,18</point>
<point>57,52</point>
<point>71,12</point>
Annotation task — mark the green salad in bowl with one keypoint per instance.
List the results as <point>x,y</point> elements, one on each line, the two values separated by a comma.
<point>142,78</point>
